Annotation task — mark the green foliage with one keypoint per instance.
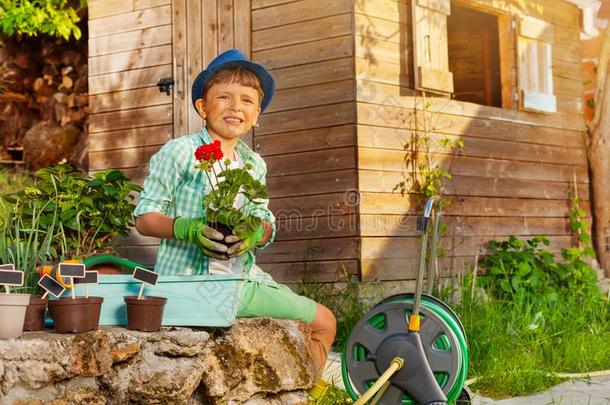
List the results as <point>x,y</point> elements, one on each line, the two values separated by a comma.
<point>88,212</point>
<point>517,267</point>
<point>24,241</point>
<point>219,201</point>
<point>34,17</point>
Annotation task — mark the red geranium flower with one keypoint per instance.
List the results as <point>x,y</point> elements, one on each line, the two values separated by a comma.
<point>210,151</point>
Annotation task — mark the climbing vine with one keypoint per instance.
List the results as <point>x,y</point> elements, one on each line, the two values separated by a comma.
<point>425,176</point>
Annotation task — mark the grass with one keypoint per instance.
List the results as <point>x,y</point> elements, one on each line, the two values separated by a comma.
<point>333,396</point>
<point>343,299</point>
<point>516,346</point>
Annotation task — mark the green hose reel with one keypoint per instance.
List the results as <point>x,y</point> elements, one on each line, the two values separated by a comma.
<point>442,336</point>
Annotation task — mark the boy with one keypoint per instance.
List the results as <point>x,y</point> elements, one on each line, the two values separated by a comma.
<point>229,95</point>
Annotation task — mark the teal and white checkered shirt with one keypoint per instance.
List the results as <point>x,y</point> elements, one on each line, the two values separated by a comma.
<point>175,188</point>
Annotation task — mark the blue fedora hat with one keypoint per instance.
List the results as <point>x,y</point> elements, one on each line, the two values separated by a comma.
<point>234,57</point>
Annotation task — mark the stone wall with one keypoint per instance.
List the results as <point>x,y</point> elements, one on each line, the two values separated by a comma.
<point>257,361</point>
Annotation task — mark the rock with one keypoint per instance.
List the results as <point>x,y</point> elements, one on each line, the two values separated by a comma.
<point>257,361</point>
<point>90,354</point>
<point>246,366</point>
<point>45,144</point>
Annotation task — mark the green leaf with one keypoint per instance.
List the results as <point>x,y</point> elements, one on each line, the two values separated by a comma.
<point>515,282</point>
<point>523,269</point>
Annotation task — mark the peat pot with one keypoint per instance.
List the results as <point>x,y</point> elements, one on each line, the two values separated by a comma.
<point>145,314</point>
<point>35,313</point>
<point>75,315</point>
<point>12,314</point>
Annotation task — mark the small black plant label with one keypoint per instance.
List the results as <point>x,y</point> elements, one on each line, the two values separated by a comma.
<point>74,270</point>
<point>7,266</point>
<point>51,286</point>
<point>90,278</point>
<point>145,276</point>
<point>11,277</point>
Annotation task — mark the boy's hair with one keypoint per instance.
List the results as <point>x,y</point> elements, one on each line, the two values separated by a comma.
<point>235,74</point>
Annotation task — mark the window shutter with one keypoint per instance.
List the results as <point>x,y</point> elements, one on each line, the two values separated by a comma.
<point>430,49</point>
<point>535,63</point>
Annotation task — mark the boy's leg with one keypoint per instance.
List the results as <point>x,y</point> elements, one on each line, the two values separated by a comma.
<point>323,330</point>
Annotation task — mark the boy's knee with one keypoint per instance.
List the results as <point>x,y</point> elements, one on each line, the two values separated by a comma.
<point>327,317</point>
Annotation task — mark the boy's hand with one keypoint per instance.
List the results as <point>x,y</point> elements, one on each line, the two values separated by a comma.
<point>196,231</point>
<point>245,243</point>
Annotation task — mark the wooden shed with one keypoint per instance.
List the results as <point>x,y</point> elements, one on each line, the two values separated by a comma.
<point>504,76</point>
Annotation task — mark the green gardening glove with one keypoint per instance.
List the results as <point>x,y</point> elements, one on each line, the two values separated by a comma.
<point>196,231</point>
<point>245,242</point>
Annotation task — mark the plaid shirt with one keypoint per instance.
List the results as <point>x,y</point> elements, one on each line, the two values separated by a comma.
<point>174,187</point>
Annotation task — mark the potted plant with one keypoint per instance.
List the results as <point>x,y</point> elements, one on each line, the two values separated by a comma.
<point>24,241</point>
<point>219,203</point>
<point>63,214</point>
<point>145,313</point>
<point>12,306</point>
<point>74,314</point>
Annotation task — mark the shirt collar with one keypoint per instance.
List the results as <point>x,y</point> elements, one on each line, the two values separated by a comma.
<point>241,148</point>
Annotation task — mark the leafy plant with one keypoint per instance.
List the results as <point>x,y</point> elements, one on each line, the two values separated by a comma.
<point>88,212</point>
<point>219,202</point>
<point>519,267</point>
<point>24,240</point>
<point>34,17</point>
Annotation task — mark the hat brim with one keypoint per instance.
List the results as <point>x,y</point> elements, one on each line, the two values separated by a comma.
<point>265,78</point>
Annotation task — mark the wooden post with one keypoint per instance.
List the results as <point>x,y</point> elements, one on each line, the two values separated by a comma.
<point>599,158</point>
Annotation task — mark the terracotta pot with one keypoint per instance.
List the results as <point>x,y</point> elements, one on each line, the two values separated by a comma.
<point>34,315</point>
<point>75,315</point>
<point>12,314</point>
<point>145,314</point>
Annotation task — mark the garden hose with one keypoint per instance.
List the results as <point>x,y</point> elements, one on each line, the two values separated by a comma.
<point>110,259</point>
<point>396,364</point>
<point>442,342</point>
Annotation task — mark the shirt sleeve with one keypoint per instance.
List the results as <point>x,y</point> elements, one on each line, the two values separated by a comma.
<point>262,210</point>
<point>166,170</point>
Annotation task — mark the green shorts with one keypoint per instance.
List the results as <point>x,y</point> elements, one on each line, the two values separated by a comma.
<point>274,301</point>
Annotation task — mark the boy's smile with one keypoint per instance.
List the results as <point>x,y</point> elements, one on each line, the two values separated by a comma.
<point>230,111</point>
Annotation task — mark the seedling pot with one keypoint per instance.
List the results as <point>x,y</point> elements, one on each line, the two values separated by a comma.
<point>145,314</point>
<point>12,314</point>
<point>75,315</point>
<point>35,313</point>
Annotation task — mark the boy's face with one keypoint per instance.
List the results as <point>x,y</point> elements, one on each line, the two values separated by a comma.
<point>230,110</point>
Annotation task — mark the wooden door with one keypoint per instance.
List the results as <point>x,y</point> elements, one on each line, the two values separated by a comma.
<point>201,30</point>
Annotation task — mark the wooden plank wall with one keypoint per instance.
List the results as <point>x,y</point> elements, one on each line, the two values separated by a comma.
<point>307,136</point>
<point>130,49</point>
<point>510,178</point>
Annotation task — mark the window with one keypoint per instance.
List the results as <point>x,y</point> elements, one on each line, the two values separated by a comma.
<point>474,56</point>
<point>483,57</point>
